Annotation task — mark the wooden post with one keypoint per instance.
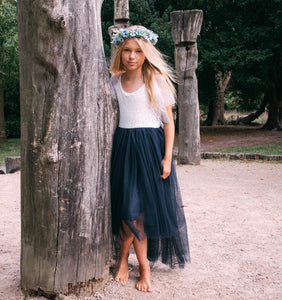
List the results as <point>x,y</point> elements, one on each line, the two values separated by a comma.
<point>186,26</point>
<point>121,13</point>
<point>121,18</point>
<point>68,112</point>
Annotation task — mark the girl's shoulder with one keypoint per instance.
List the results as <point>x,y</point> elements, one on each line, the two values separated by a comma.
<point>159,78</point>
<point>115,78</point>
<point>160,82</point>
<point>163,92</point>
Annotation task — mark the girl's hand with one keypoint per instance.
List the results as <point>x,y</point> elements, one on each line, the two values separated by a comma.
<point>166,163</point>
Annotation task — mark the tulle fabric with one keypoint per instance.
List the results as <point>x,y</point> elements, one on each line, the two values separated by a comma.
<point>150,206</point>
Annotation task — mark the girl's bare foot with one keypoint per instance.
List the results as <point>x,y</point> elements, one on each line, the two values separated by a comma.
<point>144,284</point>
<point>122,272</point>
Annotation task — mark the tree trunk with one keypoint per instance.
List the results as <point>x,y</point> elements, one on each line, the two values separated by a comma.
<point>208,120</point>
<point>67,120</point>
<point>221,81</point>
<point>3,137</point>
<point>275,106</point>
<point>251,117</point>
<point>186,26</point>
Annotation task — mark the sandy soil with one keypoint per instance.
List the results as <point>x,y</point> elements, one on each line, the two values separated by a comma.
<point>233,211</point>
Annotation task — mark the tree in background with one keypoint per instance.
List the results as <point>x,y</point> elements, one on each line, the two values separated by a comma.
<point>241,38</point>
<point>259,71</point>
<point>218,49</point>
<point>217,52</point>
<point>9,74</point>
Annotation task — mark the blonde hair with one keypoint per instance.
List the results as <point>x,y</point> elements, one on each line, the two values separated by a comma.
<point>153,64</point>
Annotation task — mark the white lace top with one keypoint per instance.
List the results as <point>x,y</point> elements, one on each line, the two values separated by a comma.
<point>135,108</point>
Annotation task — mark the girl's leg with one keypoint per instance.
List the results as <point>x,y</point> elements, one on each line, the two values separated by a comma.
<point>140,247</point>
<point>122,272</point>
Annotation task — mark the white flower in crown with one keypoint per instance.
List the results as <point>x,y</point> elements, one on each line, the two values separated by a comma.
<point>123,34</point>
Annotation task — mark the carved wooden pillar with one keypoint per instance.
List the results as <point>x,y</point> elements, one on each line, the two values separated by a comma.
<point>121,17</point>
<point>186,26</point>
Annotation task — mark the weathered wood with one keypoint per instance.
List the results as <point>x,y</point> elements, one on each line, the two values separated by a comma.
<point>192,23</point>
<point>176,18</point>
<point>186,26</point>
<point>121,18</point>
<point>68,117</point>
<point>121,14</point>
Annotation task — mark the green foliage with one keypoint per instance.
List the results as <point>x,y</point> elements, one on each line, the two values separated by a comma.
<point>242,36</point>
<point>141,13</point>
<point>107,17</point>
<point>11,148</point>
<point>9,66</point>
<point>8,38</point>
<point>271,148</point>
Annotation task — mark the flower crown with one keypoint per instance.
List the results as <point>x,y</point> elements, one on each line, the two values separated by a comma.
<point>123,34</point>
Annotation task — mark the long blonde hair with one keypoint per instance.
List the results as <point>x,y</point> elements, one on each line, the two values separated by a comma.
<point>153,64</point>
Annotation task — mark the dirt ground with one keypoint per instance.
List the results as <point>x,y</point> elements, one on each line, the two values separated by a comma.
<point>233,211</point>
<point>227,136</point>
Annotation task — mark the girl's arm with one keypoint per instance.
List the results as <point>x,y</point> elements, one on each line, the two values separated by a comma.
<point>169,140</point>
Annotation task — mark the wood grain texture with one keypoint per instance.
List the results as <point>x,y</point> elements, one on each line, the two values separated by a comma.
<point>186,26</point>
<point>121,14</point>
<point>68,113</point>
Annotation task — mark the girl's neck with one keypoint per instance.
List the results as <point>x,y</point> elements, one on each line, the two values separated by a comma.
<point>131,81</point>
<point>133,75</point>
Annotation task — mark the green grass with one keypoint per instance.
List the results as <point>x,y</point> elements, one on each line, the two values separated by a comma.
<point>271,148</point>
<point>10,148</point>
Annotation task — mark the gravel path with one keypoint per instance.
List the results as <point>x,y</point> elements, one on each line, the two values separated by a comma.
<point>233,211</point>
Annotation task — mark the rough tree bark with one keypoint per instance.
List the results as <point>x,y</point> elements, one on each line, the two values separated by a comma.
<point>221,82</point>
<point>68,116</point>
<point>186,26</point>
<point>121,12</point>
<point>3,137</point>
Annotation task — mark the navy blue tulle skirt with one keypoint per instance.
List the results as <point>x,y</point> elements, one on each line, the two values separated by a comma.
<point>142,202</point>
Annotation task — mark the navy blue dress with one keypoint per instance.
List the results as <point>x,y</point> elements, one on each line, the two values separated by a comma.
<point>150,206</point>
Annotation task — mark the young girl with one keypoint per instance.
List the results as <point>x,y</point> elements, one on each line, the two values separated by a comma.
<point>146,203</point>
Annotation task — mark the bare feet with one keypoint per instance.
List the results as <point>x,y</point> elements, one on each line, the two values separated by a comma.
<point>122,272</point>
<point>144,284</point>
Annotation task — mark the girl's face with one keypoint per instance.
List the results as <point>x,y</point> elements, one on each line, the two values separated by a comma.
<point>132,56</point>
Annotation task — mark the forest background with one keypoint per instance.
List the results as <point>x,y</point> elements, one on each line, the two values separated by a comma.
<point>240,56</point>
